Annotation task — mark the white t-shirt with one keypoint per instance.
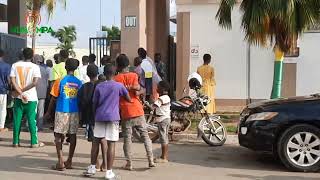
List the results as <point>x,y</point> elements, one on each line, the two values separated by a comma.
<point>83,74</point>
<point>163,108</point>
<point>24,72</point>
<point>147,68</point>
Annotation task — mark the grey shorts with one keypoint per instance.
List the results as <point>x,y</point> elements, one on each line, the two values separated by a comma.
<point>163,127</point>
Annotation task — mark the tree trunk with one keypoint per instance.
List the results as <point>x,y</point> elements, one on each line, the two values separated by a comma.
<point>36,6</point>
<point>278,73</point>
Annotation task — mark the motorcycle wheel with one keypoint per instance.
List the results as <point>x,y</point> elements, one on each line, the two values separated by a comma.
<point>213,136</point>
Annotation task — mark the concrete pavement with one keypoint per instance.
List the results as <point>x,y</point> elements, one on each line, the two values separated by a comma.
<point>189,161</point>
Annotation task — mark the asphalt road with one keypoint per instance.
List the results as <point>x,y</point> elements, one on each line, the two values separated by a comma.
<point>189,161</point>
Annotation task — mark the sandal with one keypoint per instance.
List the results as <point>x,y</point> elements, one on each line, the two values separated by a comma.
<point>160,160</point>
<point>68,166</point>
<point>127,167</point>
<point>58,168</point>
<point>39,145</point>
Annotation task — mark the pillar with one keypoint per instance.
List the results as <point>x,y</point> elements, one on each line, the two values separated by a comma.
<point>16,12</point>
<point>183,51</point>
<point>158,15</point>
<point>133,37</point>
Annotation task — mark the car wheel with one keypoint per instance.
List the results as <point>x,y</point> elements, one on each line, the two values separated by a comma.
<point>299,148</point>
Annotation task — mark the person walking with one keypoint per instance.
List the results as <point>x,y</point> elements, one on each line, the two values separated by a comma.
<point>208,77</point>
<point>65,96</point>
<point>42,87</point>
<point>4,90</point>
<point>24,77</point>
<point>132,114</point>
<point>106,129</point>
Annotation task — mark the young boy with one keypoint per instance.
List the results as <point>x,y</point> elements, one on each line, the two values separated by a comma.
<point>163,118</point>
<point>106,130</point>
<point>132,114</point>
<point>85,96</point>
<point>64,92</point>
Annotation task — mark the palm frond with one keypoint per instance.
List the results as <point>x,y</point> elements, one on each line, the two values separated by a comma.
<point>224,13</point>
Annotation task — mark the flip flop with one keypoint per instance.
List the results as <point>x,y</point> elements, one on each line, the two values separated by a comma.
<point>66,166</point>
<point>86,174</point>
<point>126,167</point>
<point>57,168</point>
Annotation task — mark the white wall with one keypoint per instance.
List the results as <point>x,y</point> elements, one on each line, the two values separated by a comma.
<point>229,52</point>
<point>308,64</point>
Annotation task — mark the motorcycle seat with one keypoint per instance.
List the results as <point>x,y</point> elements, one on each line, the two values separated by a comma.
<point>184,104</point>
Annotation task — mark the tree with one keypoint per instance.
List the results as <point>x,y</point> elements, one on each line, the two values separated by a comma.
<point>114,32</point>
<point>274,22</point>
<point>66,36</point>
<point>35,6</point>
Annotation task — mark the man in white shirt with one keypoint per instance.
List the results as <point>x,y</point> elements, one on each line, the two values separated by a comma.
<point>147,67</point>
<point>24,77</point>
<point>83,70</point>
<point>152,77</point>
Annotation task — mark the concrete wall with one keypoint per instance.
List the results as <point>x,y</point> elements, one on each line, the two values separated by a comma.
<point>230,54</point>
<point>308,64</point>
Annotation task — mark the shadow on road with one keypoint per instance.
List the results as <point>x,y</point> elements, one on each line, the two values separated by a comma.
<point>271,177</point>
<point>228,156</point>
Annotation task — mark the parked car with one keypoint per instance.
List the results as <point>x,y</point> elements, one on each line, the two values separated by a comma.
<point>289,128</point>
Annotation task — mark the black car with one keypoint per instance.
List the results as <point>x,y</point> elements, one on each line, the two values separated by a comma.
<point>289,128</point>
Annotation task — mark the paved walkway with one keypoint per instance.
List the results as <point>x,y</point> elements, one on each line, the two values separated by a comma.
<point>188,162</point>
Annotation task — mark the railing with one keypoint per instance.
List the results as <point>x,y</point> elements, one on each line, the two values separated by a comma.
<point>12,45</point>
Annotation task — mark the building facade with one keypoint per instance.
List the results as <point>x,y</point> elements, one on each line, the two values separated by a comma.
<point>243,73</point>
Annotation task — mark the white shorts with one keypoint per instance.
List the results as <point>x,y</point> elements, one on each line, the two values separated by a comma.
<point>107,130</point>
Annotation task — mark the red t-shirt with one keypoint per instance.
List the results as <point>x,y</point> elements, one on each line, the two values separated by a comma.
<point>130,109</point>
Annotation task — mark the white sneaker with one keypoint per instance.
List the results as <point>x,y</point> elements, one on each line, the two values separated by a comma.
<point>91,170</point>
<point>110,175</point>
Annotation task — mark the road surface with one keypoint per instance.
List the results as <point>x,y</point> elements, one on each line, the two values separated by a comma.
<point>189,161</point>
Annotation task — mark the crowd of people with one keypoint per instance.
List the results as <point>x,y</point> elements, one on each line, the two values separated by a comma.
<point>102,98</point>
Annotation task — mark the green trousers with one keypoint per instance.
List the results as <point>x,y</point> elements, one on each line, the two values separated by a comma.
<point>30,110</point>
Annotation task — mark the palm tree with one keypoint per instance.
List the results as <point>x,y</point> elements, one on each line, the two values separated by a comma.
<point>35,6</point>
<point>66,36</point>
<point>277,22</point>
<point>114,32</point>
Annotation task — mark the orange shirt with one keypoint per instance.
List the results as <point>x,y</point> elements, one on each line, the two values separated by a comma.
<point>130,109</point>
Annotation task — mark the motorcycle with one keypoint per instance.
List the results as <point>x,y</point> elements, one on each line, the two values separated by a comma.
<point>210,127</point>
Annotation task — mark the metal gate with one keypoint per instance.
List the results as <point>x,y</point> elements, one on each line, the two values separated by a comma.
<point>99,47</point>
<point>172,66</point>
<point>13,46</point>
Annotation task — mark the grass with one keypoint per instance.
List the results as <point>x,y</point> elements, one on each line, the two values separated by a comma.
<point>231,124</point>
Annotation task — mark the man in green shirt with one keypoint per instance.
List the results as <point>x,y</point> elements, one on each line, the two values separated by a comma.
<point>59,70</point>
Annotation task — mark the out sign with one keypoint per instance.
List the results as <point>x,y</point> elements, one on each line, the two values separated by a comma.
<point>131,21</point>
<point>194,51</point>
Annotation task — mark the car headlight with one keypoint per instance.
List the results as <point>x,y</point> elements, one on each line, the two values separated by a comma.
<point>262,116</point>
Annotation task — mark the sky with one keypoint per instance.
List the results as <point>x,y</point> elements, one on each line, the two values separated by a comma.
<point>85,15</point>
